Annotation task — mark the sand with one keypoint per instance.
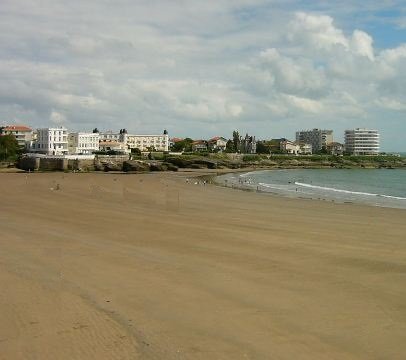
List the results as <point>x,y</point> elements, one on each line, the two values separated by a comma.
<point>117,266</point>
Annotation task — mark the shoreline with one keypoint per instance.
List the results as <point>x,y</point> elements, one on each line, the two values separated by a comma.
<point>264,189</point>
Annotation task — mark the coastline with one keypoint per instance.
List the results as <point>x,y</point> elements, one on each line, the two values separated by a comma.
<point>248,181</point>
<point>148,266</point>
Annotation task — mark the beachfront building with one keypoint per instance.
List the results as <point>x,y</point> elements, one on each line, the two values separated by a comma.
<point>199,146</point>
<point>362,141</point>
<point>110,136</point>
<point>22,133</point>
<point>51,141</point>
<point>319,139</point>
<point>148,142</point>
<point>335,148</point>
<point>305,149</point>
<point>112,145</point>
<point>83,143</point>
<point>218,144</point>
<point>289,147</point>
<point>141,142</point>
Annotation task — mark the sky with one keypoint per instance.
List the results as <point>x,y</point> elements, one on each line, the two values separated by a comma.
<point>205,68</point>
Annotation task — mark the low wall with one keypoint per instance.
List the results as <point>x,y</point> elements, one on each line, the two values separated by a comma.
<point>42,164</point>
<point>28,163</point>
<point>115,158</point>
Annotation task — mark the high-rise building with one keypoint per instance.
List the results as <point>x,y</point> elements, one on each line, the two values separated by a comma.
<point>362,141</point>
<point>319,139</point>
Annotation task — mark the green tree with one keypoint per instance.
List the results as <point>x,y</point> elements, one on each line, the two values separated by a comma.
<point>236,140</point>
<point>183,145</point>
<point>230,146</point>
<point>9,148</point>
<point>263,147</point>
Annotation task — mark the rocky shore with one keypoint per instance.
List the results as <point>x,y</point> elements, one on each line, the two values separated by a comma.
<point>212,161</point>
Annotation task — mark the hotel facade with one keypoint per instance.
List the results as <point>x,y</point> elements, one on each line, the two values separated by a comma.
<point>51,141</point>
<point>361,141</point>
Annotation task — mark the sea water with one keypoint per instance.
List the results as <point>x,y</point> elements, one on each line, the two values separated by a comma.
<point>378,187</point>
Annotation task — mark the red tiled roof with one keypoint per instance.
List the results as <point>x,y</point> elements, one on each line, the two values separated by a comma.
<point>17,128</point>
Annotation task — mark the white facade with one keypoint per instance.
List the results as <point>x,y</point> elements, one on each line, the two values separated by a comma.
<point>362,141</point>
<point>83,143</point>
<point>141,142</point>
<point>51,141</point>
<point>218,143</point>
<point>306,149</point>
<point>147,142</point>
<point>111,145</point>
<point>110,136</point>
<point>289,147</point>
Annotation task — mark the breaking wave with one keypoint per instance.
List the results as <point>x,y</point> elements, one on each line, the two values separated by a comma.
<point>347,191</point>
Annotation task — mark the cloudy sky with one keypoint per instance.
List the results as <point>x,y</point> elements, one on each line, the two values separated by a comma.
<point>203,68</point>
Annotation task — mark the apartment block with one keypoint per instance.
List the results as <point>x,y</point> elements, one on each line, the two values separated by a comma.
<point>22,133</point>
<point>362,141</point>
<point>319,139</point>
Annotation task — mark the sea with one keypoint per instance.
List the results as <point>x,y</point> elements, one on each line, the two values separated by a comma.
<point>375,187</point>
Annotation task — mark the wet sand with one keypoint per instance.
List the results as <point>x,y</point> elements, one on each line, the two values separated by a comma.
<point>117,266</point>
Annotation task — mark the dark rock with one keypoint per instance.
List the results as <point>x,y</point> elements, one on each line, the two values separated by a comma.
<point>179,161</point>
<point>208,163</point>
<point>157,167</point>
<point>113,166</point>
<point>134,165</point>
<point>170,167</point>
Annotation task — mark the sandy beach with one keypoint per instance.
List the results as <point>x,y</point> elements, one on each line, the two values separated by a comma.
<point>150,266</point>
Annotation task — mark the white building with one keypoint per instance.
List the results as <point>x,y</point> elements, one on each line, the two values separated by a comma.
<point>112,145</point>
<point>141,142</point>
<point>289,147</point>
<point>110,136</point>
<point>362,141</point>
<point>23,134</point>
<point>83,143</point>
<point>319,139</point>
<point>217,143</point>
<point>147,142</point>
<point>51,141</point>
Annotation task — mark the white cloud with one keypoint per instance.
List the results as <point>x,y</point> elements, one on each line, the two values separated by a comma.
<point>194,67</point>
<point>316,31</point>
<point>57,118</point>
<point>307,105</point>
<point>361,43</point>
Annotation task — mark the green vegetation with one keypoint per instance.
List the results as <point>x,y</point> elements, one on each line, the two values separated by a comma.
<point>251,157</point>
<point>9,149</point>
<point>184,145</point>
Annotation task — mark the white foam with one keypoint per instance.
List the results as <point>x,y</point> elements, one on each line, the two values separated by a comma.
<point>347,191</point>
